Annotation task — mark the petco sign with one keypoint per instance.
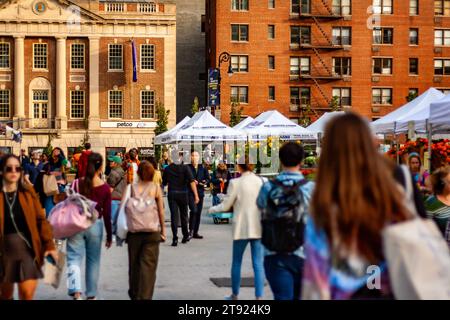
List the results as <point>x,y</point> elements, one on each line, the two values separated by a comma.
<point>128,124</point>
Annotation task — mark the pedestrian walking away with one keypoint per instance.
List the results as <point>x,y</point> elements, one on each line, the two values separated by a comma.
<point>117,181</point>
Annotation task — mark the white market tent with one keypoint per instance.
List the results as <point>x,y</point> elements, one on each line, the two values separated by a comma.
<point>440,115</point>
<point>318,127</point>
<point>167,136</point>
<point>398,120</point>
<point>274,124</point>
<point>243,123</point>
<point>204,127</point>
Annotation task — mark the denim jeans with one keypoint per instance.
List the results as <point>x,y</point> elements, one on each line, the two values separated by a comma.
<point>89,243</point>
<point>115,206</point>
<point>48,205</point>
<point>284,273</point>
<point>258,265</point>
<point>215,200</point>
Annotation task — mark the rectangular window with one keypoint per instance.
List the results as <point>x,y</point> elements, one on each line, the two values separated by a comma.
<point>77,56</point>
<point>342,66</point>
<point>383,35</point>
<point>342,7</point>
<point>382,96</point>
<point>300,66</point>
<point>239,32</point>
<point>445,91</point>
<point>441,37</point>
<point>40,56</point>
<point>382,66</point>
<point>342,36</point>
<point>343,96</point>
<point>147,57</point>
<point>383,7</point>
<point>442,7</point>
<point>115,57</point>
<point>115,7</point>
<point>5,104</point>
<point>271,4</point>
<point>300,7</point>
<point>413,7</point>
<point>300,35</point>
<point>271,62</point>
<point>271,93</point>
<point>77,103</point>
<point>147,7</point>
<point>239,94</point>
<point>413,92</point>
<point>414,36</point>
<point>239,63</point>
<point>147,104</point>
<point>442,67</point>
<point>115,104</point>
<point>300,96</point>
<point>271,32</point>
<point>239,5</point>
<point>414,66</point>
<point>4,55</point>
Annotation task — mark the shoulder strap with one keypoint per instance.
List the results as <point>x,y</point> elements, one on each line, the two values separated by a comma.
<point>409,191</point>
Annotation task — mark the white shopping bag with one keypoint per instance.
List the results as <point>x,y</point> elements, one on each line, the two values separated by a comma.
<point>122,227</point>
<point>52,272</point>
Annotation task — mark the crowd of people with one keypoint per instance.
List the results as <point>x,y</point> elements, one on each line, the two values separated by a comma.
<point>309,239</point>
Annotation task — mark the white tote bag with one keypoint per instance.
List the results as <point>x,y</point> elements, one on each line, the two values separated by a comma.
<point>122,228</point>
<point>417,255</point>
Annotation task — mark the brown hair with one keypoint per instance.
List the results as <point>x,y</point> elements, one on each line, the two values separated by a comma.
<point>247,166</point>
<point>222,167</point>
<point>356,191</point>
<point>437,179</point>
<point>146,171</point>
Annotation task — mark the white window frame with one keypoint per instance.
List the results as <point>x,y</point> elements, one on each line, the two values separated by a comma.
<point>109,104</point>
<point>9,55</point>
<point>154,57</point>
<point>239,87</point>
<point>380,5</point>
<point>341,66</point>
<point>148,7</point>
<point>442,37</point>
<point>239,56</point>
<point>382,89</point>
<point>417,33</point>
<point>114,7</point>
<point>84,57</point>
<point>83,104</point>
<point>109,57</point>
<point>142,104</point>
<point>442,8</point>
<point>46,56</point>
<point>9,104</point>
<point>341,96</point>
<point>274,31</point>
<point>382,68</point>
<point>337,32</point>
<point>271,4</point>
<point>444,61</point>
<point>239,5</point>
<point>339,6</point>
<point>239,34</point>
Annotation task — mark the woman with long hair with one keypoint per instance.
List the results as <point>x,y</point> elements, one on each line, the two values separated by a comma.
<point>26,235</point>
<point>89,242</point>
<point>143,246</point>
<point>420,175</point>
<point>220,179</point>
<point>356,196</point>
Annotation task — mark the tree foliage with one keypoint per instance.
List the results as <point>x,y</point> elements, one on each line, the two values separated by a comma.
<point>195,106</point>
<point>161,125</point>
<point>235,114</point>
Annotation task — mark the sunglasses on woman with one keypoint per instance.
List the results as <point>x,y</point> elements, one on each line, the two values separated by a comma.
<point>10,169</point>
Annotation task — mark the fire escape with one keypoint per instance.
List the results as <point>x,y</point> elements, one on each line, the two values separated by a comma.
<point>313,42</point>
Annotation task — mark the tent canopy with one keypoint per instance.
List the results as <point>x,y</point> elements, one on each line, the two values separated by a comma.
<point>243,123</point>
<point>320,124</point>
<point>397,121</point>
<point>167,136</point>
<point>274,124</point>
<point>203,126</point>
<point>440,115</point>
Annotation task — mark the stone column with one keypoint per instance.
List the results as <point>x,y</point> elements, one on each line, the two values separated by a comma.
<point>94,61</point>
<point>61,84</point>
<point>19,81</point>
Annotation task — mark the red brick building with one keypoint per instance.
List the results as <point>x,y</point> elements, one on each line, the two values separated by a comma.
<point>66,69</point>
<point>305,57</point>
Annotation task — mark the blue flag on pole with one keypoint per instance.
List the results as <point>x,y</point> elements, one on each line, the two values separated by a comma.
<point>134,53</point>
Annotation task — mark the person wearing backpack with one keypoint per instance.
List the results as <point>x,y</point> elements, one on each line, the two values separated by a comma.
<point>89,242</point>
<point>284,204</point>
<point>144,210</point>
<point>241,196</point>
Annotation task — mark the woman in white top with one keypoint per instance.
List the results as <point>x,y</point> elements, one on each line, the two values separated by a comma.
<point>241,196</point>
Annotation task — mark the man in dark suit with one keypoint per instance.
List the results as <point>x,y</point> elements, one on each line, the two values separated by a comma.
<point>202,179</point>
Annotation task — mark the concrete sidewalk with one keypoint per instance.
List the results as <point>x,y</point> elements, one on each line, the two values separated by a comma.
<point>184,272</point>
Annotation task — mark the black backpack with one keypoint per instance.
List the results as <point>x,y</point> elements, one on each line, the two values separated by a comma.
<point>283,219</point>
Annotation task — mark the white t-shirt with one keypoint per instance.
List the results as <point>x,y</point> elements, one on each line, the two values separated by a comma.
<point>135,172</point>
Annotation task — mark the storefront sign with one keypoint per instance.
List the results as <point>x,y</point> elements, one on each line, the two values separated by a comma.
<point>146,152</point>
<point>213,87</point>
<point>127,124</point>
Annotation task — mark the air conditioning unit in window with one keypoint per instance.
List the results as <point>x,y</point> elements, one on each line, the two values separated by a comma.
<point>294,108</point>
<point>376,109</point>
<point>438,50</point>
<point>295,45</point>
<point>375,79</point>
<point>294,77</point>
<point>437,79</point>
<point>375,49</point>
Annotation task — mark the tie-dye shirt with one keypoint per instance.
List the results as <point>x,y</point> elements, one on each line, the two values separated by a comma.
<point>326,278</point>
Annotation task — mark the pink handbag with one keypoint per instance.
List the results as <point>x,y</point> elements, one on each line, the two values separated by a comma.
<point>73,215</point>
<point>142,212</point>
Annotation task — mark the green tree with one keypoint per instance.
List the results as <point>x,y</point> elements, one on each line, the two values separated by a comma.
<point>335,104</point>
<point>235,114</point>
<point>49,148</point>
<point>161,125</point>
<point>411,96</point>
<point>195,106</point>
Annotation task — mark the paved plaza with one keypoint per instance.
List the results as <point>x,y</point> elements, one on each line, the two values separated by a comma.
<point>184,272</point>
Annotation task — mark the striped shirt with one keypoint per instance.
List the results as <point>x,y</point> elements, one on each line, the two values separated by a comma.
<point>438,211</point>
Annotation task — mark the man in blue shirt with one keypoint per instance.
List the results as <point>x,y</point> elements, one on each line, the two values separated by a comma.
<point>33,168</point>
<point>284,271</point>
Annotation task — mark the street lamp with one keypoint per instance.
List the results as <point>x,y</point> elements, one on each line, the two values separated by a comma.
<point>223,58</point>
